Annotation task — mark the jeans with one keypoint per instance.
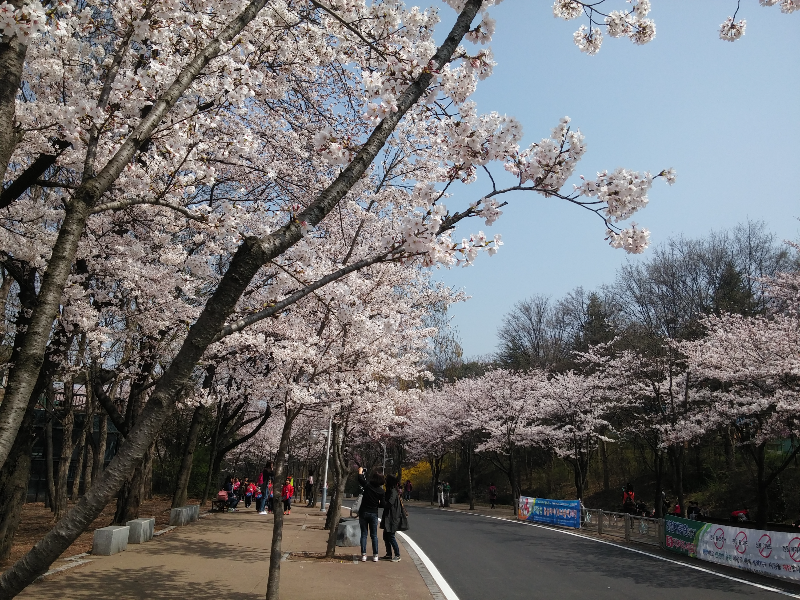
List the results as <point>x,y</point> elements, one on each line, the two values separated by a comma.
<point>391,543</point>
<point>260,504</point>
<point>368,522</point>
<point>248,499</point>
<point>287,504</point>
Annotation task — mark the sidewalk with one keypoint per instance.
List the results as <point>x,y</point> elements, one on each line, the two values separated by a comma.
<point>226,555</point>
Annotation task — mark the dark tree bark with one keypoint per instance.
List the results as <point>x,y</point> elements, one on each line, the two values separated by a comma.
<point>12,58</point>
<point>604,460</point>
<point>274,577</point>
<point>67,449</point>
<point>48,457</point>
<point>658,468</point>
<point>339,463</point>
<point>179,497</point>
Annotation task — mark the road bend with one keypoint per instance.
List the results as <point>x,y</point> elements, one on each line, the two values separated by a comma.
<point>483,558</point>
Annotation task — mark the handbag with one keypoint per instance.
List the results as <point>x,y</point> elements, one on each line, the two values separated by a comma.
<point>356,505</point>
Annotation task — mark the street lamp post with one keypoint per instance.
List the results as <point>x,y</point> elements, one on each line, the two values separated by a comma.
<point>384,457</point>
<point>327,460</point>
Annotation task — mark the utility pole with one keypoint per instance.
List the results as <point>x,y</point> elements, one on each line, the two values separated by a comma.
<point>327,460</point>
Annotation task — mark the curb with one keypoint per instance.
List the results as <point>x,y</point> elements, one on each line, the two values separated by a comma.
<point>433,587</point>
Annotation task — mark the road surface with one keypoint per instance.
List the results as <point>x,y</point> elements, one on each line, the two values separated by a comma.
<point>489,559</point>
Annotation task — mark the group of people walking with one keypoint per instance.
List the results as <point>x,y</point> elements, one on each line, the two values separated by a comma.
<point>262,491</point>
<point>395,518</point>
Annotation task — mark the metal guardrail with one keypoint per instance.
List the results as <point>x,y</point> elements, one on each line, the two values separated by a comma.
<point>631,528</point>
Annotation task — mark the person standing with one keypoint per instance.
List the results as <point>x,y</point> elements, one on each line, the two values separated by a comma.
<point>390,522</point>
<point>371,501</point>
<point>309,491</point>
<point>408,489</point>
<point>287,492</point>
<point>440,493</point>
<point>446,489</point>
<point>492,494</point>
<point>267,475</point>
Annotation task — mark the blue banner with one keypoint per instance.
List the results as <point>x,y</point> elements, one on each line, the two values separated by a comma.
<point>566,513</point>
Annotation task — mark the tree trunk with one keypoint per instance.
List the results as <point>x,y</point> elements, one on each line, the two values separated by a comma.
<point>48,438</point>
<point>676,453</point>
<point>471,475</point>
<point>730,452</point>
<point>133,491</point>
<point>88,461</point>
<point>658,464</point>
<point>340,475</point>
<point>604,459</point>
<point>213,458</point>
<point>82,445</point>
<point>12,59</point>
<point>67,448</point>
<point>274,579</point>
<point>99,458</point>
<point>762,485</point>
<point>14,481</point>
<point>179,498</point>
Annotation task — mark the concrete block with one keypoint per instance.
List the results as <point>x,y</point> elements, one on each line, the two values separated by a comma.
<point>194,512</point>
<point>348,533</point>
<point>180,516</point>
<point>110,540</point>
<point>141,530</point>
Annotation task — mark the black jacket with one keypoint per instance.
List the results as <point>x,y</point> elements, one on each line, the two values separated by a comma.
<point>373,497</point>
<point>391,511</point>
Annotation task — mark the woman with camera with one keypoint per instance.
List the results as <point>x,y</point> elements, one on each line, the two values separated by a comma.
<point>371,501</point>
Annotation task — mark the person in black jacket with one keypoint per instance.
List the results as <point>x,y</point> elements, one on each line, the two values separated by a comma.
<point>371,501</point>
<point>391,518</point>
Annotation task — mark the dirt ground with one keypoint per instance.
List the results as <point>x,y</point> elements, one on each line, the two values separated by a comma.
<point>38,520</point>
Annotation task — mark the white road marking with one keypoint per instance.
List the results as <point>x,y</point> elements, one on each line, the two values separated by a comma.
<point>669,560</point>
<point>448,592</point>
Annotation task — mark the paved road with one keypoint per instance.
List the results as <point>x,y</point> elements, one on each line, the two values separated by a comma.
<point>489,559</point>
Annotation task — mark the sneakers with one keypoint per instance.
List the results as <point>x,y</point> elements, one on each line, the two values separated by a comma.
<point>375,558</point>
<point>395,559</point>
<point>363,558</point>
<point>263,512</point>
<point>387,557</point>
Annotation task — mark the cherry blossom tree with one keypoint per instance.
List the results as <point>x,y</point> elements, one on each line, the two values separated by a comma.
<point>745,370</point>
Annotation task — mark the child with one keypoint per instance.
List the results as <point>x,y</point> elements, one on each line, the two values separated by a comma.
<point>270,496</point>
<point>286,495</point>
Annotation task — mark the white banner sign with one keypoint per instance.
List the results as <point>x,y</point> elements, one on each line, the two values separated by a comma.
<point>767,552</point>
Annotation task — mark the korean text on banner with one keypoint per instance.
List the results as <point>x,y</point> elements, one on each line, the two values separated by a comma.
<point>681,535</point>
<point>768,552</point>
<point>566,513</point>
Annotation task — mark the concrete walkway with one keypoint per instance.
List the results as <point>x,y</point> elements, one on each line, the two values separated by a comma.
<point>226,556</point>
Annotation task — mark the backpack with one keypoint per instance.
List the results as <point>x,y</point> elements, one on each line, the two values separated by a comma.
<point>222,495</point>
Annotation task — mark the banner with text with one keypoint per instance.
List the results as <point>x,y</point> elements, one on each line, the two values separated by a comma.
<point>566,513</point>
<point>767,552</point>
<point>681,535</point>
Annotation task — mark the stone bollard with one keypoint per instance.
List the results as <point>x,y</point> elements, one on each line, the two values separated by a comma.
<point>141,530</point>
<point>180,516</point>
<point>348,533</point>
<point>194,512</point>
<point>110,540</point>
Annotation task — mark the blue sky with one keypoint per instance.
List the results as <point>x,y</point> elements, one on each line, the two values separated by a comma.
<point>725,115</point>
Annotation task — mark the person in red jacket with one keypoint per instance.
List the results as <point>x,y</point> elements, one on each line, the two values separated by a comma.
<point>286,495</point>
